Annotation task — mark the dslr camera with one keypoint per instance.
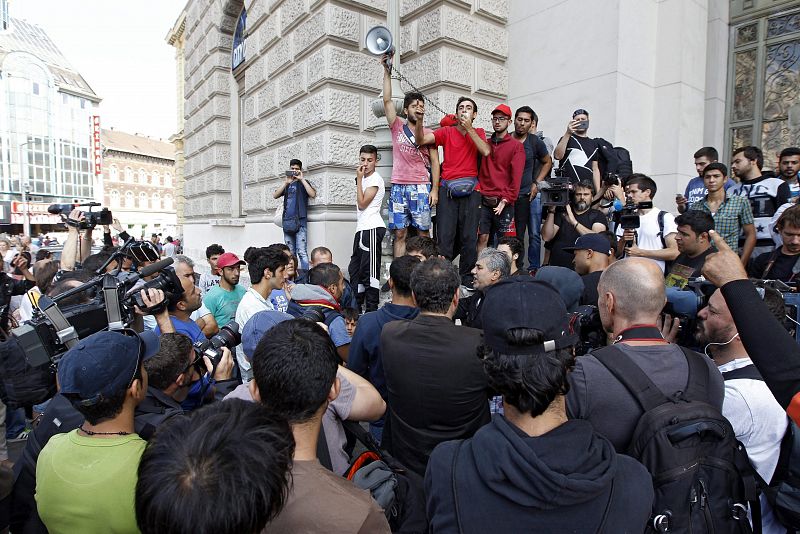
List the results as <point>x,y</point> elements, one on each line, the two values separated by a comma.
<point>292,173</point>
<point>93,218</point>
<point>610,178</point>
<point>228,336</point>
<point>557,191</point>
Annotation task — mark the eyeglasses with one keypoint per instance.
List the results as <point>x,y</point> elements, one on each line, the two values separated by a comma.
<point>500,119</point>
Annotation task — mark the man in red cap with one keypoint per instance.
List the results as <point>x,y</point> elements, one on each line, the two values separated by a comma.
<point>223,299</point>
<point>499,179</point>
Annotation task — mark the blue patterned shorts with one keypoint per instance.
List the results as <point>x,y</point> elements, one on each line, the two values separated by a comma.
<point>409,206</point>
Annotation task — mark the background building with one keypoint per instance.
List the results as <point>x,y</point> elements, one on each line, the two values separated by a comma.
<point>139,182</point>
<point>268,80</point>
<point>45,115</point>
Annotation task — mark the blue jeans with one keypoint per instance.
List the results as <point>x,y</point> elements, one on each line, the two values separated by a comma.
<point>297,244</point>
<point>15,422</point>
<point>535,233</point>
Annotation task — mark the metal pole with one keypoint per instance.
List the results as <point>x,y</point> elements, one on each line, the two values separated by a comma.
<point>23,183</point>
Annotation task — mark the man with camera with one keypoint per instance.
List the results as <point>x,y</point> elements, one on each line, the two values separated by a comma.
<point>782,263</point>
<point>646,232</point>
<point>577,152</point>
<point>562,228</point>
<point>458,211</point>
<point>181,306</point>
<point>415,168</point>
<point>499,179</point>
<point>296,191</point>
<point>10,287</point>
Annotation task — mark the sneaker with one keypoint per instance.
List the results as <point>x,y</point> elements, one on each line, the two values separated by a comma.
<point>22,436</point>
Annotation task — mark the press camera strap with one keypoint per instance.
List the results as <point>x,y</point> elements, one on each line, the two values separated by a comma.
<point>640,332</point>
<point>111,297</point>
<point>66,332</point>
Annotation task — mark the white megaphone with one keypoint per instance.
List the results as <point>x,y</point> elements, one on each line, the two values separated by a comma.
<point>379,42</point>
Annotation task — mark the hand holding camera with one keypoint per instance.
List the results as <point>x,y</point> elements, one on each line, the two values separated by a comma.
<point>20,262</point>
<point>224,370</point>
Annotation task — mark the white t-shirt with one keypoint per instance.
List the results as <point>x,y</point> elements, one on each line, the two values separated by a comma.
<point>370,217</point>
<point>759,423</point>
<point>649,233</point>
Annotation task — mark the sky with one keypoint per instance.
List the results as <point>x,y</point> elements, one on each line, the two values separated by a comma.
<point>119,48</point>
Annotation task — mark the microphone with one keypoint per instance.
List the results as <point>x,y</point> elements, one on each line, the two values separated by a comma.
<point>155,267</point>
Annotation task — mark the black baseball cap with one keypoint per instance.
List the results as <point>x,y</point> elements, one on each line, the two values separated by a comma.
<point>522,302</point>
<point>579,111</point>
<point>595,242</point>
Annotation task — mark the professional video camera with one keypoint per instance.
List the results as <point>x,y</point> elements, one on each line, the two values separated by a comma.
<point>93,218</point>
<point>52,331</point>
<point>628,216</point>
<point>557,191</point>
<point>586,321</point>
<point>685,303</point>
<point>228,336</point>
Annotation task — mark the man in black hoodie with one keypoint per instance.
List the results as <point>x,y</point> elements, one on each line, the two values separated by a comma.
<point>532,469</point>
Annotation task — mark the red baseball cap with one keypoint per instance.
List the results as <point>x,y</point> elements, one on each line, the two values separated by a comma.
<point>502,108</point>
<point>229,259</point>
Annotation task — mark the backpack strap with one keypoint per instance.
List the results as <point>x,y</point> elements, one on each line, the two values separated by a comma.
<point>661,214</point>
<point>699,376</point>
<point>630,375</point>
<point>770,262</point>
<point>455,487</point>
<point>748,371</point>
<point>323,454</point>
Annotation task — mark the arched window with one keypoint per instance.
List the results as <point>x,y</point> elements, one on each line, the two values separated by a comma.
<point>128,174</point>
<point>168,179</point>
<point>168,202</point>
<point>113,174</point>
<point>143,200</point>
<point>142,176</point>
<point>156,201</point>
<point>114,195</point>
<point>129,199</point>
<point>156,177</point>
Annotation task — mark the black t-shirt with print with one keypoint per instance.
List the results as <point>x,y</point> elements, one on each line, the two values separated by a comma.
<point>578,158</point>
<point>685,267</point>
<point>567,234</point>
<point>781,269</point>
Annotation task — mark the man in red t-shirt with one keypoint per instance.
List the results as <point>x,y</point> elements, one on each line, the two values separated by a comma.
<point>499,179</point>
<point>458,211</point>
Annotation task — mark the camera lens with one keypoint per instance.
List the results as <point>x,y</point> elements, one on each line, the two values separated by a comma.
<point>228,336</point>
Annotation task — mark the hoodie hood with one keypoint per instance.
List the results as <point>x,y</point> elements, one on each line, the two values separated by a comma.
<point>396,312</point>
<point>312,294</point>
<point>567,466</point>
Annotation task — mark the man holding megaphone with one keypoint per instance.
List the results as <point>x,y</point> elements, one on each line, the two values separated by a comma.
<point>415,168</point>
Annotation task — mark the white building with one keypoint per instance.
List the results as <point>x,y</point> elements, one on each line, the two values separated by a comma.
<point>661,78</point>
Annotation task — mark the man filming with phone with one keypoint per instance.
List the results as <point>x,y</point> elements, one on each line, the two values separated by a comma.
<point>295,210</point>
<point>577,152</point>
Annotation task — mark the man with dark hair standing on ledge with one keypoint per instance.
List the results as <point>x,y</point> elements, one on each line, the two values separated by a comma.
<point>458,213</point>
<point>415,168</point>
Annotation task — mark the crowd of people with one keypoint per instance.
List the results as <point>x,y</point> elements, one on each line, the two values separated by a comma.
<point>233,408</point>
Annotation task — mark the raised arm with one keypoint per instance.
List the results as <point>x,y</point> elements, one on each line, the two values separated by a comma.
<point>421,137</point>
<point>388,105</point>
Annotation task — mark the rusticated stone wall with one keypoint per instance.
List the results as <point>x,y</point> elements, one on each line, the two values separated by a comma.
<point>305,91</point>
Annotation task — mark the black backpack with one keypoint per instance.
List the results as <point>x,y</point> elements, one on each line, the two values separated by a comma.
<point>613,159</point>
<point>701,476</point>
<point>783,490</point>
<point>399,491</point>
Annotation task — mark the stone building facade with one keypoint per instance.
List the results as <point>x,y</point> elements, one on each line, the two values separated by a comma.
<point>659,77</point>
<point>139,182</point>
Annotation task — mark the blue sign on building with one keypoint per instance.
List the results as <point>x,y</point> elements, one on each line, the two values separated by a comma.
<point>239,42</point>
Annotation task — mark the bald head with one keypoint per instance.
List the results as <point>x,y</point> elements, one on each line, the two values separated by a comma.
<point>637,285</point>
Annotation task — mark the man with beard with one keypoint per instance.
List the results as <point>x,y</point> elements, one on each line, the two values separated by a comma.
<point>563,228</point>
<point>757,419</point>
<point>783,263</point>
<point>694,244</point>
<point>415,168</point>
<point>223,299</point>
<point>577,152</point>
<point>499,178</point>
<point>789,164</point>
<point>766,195</point>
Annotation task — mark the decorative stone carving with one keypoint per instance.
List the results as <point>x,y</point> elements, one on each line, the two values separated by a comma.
<point>266,165</point>
<point>492,78</point>
<point>291,11</point>
<point>342,23</point>
<point>279,56</point>
<point>267,101</point>
<point>292,83</point>
<point>268,32</point>
<point>309,32</point>
<point>255,76</point>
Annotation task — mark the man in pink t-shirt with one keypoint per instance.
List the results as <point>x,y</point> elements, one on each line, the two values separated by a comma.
<point>414,167</point>
<point>458,211</point>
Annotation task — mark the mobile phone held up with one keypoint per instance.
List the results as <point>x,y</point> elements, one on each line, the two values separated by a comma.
<point>292,173</point>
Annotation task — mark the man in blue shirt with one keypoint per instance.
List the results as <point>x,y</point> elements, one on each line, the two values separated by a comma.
<point>296,191</point>
<point>181,309</point>
<point>695,189</point>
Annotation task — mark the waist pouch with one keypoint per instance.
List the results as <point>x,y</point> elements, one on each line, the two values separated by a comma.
<point>460,187</point>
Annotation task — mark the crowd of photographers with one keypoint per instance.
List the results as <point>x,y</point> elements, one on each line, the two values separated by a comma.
<point>624,375</point>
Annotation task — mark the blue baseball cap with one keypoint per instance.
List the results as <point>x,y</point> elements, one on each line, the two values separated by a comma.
<point>567,282</point>
<point>595,242</point>
<point>258,325</point>
<point>104,364</point>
